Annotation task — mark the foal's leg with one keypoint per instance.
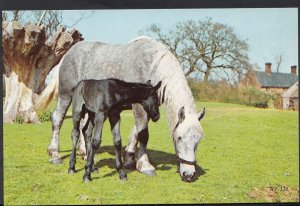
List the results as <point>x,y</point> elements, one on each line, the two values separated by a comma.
<point>93,145</point>
<point>114,120</point>
<point>87,137</point>
<point>129,155</point>
<point>77,115</point>
<point>57,118</point>
<point>140,133</point>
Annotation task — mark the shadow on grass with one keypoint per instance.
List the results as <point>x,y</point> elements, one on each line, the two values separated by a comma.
<point>68,117</point>
<point>162,161</point>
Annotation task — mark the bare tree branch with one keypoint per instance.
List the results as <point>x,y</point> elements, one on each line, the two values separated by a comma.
<point>278,61</point>
<point>4,15</point>
<point>205,47</point>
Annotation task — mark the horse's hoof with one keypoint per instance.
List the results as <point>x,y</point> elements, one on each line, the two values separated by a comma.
<point>71,171</point>
<point>87,179</point>
<point>56,161</point>
<point>94,170</point>
<point>149,172</point>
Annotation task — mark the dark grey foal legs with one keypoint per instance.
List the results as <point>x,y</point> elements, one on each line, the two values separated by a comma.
<point>114,120</point>
<point>77,115</point>
<point>93,143</point>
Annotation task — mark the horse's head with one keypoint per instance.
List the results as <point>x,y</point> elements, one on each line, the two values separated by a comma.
<point>186,136</point>
<point>151,103</point>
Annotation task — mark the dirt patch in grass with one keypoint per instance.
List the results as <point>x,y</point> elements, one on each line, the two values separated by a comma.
<point>278,193</point>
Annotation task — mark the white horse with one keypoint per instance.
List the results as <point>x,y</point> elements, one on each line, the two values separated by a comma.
<point>140,60</point>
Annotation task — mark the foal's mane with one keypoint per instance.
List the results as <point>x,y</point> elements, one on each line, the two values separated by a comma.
<point>132,84</point>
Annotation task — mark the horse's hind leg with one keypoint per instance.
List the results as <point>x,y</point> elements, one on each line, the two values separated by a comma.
<point>114,121</point>
<point>141,134</point>
<point>57,118</point>
<point>81,142</point>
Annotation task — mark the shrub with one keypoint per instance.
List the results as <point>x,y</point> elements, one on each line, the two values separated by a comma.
<point>19,119</point>
<point>45,116</point>
<point>220,91</point>
<point>223,91</point>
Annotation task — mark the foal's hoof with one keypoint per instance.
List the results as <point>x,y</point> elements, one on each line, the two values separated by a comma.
<point>71,171</point>
<point>94,169</point>
<point>56,161</point>
<point>130,164</point>
<point>123,176</point>
<point>129,161</point>
<point>87,179</point>
<point>149,172</point>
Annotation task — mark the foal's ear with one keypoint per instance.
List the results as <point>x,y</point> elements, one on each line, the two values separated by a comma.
<point>181,115</point>
<point>149,83</point>
<point>201,114</point>
<point>157,86</point>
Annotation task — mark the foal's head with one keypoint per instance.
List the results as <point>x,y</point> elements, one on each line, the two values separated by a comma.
<point>151,103</point>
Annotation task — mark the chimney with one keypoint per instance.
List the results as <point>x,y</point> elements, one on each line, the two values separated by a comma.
<point>268,69</point>
<point>294,70</point>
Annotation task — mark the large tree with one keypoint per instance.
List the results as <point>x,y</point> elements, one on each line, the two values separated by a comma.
<point>205,47</point>
<point>27,59</point>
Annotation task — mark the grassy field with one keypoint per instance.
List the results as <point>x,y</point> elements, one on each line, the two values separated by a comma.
<point>247,155</point>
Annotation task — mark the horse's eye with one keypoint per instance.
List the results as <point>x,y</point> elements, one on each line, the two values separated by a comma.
<point>179,139</point>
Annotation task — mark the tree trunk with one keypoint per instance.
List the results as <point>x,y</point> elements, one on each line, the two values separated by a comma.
<point>27,59</point>
<point>206,75</point>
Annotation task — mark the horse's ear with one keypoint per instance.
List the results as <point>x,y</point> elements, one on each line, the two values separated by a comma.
<point>157,86</point>
<point>149,83</point>
<point>181,115</point>
<point>201,114</point>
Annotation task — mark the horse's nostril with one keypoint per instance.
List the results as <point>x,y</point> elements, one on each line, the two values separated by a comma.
<point>188,176</point>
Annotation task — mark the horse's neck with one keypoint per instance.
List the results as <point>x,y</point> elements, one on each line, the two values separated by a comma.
<point>174,101</point>
<point>177,92</point>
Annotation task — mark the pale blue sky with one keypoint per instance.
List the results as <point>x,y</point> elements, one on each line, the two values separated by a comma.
<point>269,32</point>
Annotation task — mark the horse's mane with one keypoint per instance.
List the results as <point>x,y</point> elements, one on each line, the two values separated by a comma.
<point>174,91</point>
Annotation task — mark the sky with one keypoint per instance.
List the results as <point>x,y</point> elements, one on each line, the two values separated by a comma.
<point>268,31</point>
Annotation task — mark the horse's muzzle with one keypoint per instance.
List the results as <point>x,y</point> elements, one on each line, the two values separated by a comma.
<point>188,177</point>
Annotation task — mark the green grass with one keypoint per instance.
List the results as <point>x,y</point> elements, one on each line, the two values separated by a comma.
<point>243,148</point>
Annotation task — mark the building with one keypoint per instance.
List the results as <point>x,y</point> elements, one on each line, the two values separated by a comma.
<point>271,81</point>
<point>290,98</point>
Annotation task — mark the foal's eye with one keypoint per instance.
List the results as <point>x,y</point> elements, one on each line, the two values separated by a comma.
<point>179,139</point>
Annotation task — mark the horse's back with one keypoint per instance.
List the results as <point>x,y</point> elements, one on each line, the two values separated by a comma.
<point>97,60</point>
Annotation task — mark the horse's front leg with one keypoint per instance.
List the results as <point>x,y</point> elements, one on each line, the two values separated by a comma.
<point>140,133</point>
<point>57,118</point>
<point>114,120</point>
<point>93,145</point>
